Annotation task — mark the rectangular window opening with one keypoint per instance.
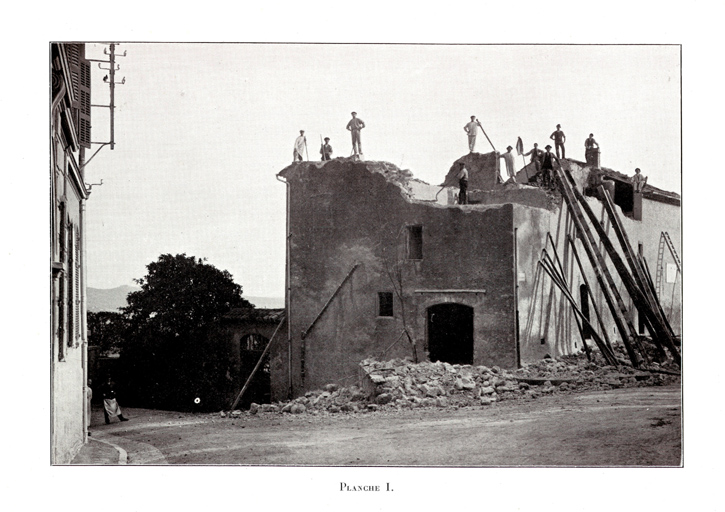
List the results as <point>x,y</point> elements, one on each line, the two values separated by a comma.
<point>385,303</point>
<point>415,242</point>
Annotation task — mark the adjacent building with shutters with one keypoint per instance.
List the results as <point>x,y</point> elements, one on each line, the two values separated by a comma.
<point>70,137</point>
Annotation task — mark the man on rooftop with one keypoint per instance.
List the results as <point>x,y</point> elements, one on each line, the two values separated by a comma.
<point>354,126</point>
<point>559,139</point>
<point>471,129</point>
<point>300,145</point>
<point>508,157</point>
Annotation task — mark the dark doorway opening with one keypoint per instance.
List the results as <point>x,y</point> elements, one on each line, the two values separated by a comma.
<point>584,300</point>
<point>450,333</point>
<point>260,388</point>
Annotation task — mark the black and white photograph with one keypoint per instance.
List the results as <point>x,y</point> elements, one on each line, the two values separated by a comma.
<point>274,254</point>
<point>364,257</point>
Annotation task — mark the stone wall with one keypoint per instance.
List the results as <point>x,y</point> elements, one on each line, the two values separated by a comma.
<point>345,213</point>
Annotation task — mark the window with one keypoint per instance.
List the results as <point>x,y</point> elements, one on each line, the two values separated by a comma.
<point>385,303</point>
<point>415,242</point>
<point>671,272</point>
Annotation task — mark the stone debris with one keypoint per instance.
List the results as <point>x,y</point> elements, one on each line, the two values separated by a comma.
<point>401,384</point>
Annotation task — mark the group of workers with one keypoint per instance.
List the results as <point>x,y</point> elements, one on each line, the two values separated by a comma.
<point>354,126</point>
<point>542,161</point>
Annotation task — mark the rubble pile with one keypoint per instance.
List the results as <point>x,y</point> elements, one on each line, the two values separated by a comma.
<point>401,384</point>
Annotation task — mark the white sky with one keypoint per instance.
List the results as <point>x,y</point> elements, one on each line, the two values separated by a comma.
<point>202,129</point>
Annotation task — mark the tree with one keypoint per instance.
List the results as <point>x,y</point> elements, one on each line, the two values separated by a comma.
<point>168,356</point>
<point>105,330</point>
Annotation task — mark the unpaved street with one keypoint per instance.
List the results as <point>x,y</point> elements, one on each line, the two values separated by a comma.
<point>621,427</point>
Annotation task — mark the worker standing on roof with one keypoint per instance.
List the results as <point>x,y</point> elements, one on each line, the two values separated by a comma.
<point>354,126</point>
<point>535,157</point>
<point>559,139</point>
<point>471,129</point>
<point>326,150</point>
<point>508,157</point>
<point>590,143</point>
<point>638,181</point>
<point>463,184</point>
<point>547,167</point>
<point>300,145</point>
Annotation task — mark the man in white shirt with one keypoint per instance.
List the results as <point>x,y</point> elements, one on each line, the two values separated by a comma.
<point>300,145</point>
<point>471,129</point>
<point>508,157</point>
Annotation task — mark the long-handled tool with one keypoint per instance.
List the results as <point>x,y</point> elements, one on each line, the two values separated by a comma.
<point>484,132</point>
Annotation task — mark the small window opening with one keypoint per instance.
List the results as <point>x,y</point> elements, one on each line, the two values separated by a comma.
<point>385,303</point>
<point>415,242</point>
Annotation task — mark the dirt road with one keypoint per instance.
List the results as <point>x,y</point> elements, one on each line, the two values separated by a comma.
<point>621,427</point>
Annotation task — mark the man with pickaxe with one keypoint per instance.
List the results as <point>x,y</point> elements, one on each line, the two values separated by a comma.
<point>326,149</point>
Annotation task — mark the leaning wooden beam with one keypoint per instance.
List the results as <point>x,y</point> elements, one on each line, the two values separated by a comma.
<point>600,269</point>
<point>259,363</point>
<point>653,314</point>
<point>609,357</point>
<point>562,278</point>
<point>634,291</point>
<point>600,321</point>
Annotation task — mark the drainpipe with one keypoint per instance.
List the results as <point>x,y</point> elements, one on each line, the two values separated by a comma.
<point>287,285</point>
<point>84,310</point>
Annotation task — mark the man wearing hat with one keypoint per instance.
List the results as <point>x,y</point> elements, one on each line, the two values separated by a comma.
<point>471,129</point>
<point>354,126</point>
<point>559,139</point>
<point>547,166</point>
<point>638,181</point>
<point>508,157</point>
<point>300,145</point>
<point>326,150</point>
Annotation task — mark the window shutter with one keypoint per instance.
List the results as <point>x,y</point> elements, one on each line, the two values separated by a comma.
<point>71,288</point>
<point>80,71</point>
<point>77,283</point>
<point>84,115</point>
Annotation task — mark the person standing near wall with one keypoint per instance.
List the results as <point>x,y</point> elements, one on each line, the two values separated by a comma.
<point>535,157</point>
<point>508,157</point>
<point>638,181</point>
<point>354,126</point>
<point>471,129</point>
<point>547,167</point>
<point>300,145</point>
<point>463,184</point>
<point>326,150</point>
<point>590,143</point>
<point>559,139</point>
<point>89,397</point>
<point>110,405</point>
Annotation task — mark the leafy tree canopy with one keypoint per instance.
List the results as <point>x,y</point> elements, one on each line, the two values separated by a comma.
<point>179,296</point>
<point>105,330</point>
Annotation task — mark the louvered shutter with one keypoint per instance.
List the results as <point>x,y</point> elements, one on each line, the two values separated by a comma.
<point>77,283</point>
<point>71,286</point>
<point>84,114</point>
<point>80,71</point>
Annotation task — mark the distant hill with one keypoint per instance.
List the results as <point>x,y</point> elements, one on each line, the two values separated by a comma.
<point>111,299</point>
<point>108,299</point>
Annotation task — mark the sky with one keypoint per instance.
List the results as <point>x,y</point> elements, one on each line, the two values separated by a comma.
<point>201,130</point>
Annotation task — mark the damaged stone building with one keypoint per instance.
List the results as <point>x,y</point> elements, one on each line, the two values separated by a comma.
<point>382,265</point>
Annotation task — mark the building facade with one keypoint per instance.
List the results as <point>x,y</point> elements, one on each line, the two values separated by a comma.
<point>69,137</point>
<point>373,270</point>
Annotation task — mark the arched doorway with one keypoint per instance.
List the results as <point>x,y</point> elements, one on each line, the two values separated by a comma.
<point>450,333</point>
<point>251,347</point>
